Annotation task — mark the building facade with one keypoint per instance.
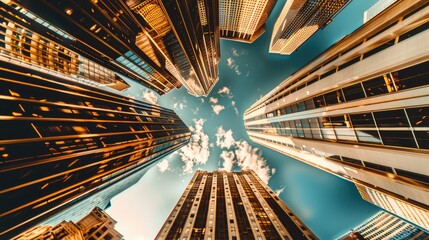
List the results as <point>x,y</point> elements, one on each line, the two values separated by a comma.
<point>359,110</point>
<point>62,142</point>
<point>243,20</point>
<point>26,47</point>
<point>103,31</point>
<point>187,34</point>
<point>95,225</point>
<point>383,225</point>
<point>299,20</point>
<point>231,205</point>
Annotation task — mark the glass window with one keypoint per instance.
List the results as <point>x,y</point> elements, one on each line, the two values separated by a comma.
<point>365,129</point>
<point>352,161</point>
<point>309,104</point>
<point>306,128</point>
<point>286,126</point>
<point>326,128</point>
<point>319,101</point>
<point>301,106</point>
<point>411,77</point>
<point>298,126</point>
<point>375,86</point>
<point>392,118</point>
<point>378,167</point>
<point>419,117</point>
<point>334,97</point>
<point>380,48</point>
<point>413,32</point>
<point>353,92</point>
<point>422,138</point>
<point>416,176</point>
<point>294,108</point>
<point>398,138</point>
<point>315,128</point>
<point>343,129</point>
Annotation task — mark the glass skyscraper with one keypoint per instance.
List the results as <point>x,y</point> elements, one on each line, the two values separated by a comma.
<point>62,142</point>
<point>299,20</point>
<point>360,111</point>
<point>187,33</point>
<point>244,21</point>
<point>231,205</point>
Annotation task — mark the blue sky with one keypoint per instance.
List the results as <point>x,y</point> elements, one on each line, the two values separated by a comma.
<point>328,205</point>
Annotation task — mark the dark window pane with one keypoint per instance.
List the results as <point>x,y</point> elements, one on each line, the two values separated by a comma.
<point>306,128</point>
<point>416,176</point>
<point>378,167</point>
<point>413,32</point>
<point>398,138</point>
<point>393,118</point>
<point>288,109</point>
<point>415,76</point>
<point>352,161</point>
<point>326,128</point>
<point>319,101</point>
<point>334,97</point>
<point>363,120</point>
<point>376,86</point>
<point>343,128</point>
<point>312,81</point>
<point>422,138</point>
<point>353,92</point>
<point>419,117</point>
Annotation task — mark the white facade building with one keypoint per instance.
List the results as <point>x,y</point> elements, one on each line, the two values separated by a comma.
<point>360,110</point>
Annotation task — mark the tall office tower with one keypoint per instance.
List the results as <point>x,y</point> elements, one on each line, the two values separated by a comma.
<point>360,109</point>
<point>23,46</point>
<point>231,205</point>
<point>299,20</point>
<point>243,20</point>
<point>377,8</point>
<point>103,31</point>
<point>383,225</point>
<point>62,142</point>
<point>187,33</point>
<point>96,225</point>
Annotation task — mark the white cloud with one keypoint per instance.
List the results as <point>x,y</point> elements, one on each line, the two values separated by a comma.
<point>234,107</point>
<point>249,157</point>
<point>197,151</point>
<point>150,97</point>
<point>196,110</point>
<point>211,145</point>
<point>230,62</point>
<point>235,52</point>
<point>225,92</point>
<point>180,106</point>
<point>228,160</point>
<point>163,166</point>
<point>213,100</point>
<point>202,100</point>
<point>279,191</point>
<point>217,108</point>
<point>224,139</point>
<point>237,70</point>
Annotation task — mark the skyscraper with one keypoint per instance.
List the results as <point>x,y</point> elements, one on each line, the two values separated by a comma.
<point>242,20</point>
<point>383,225</point>
<point>103,31</point>
<point>187,33</point>
<point>26,47</point>
<point>231,205</point>
<point>97,224</point>
<point>359,110</point>
<point>62,142</point>
<point>299,20</point>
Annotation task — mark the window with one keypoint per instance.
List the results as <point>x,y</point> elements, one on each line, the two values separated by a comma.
<point>353,92</point>
<point>375,86</point>
<point>378,167</point>
<point>393,118</point>
<point>365,129</point>
<point>334,97</point>
<point>416,176</point>
<point>411,77</point>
